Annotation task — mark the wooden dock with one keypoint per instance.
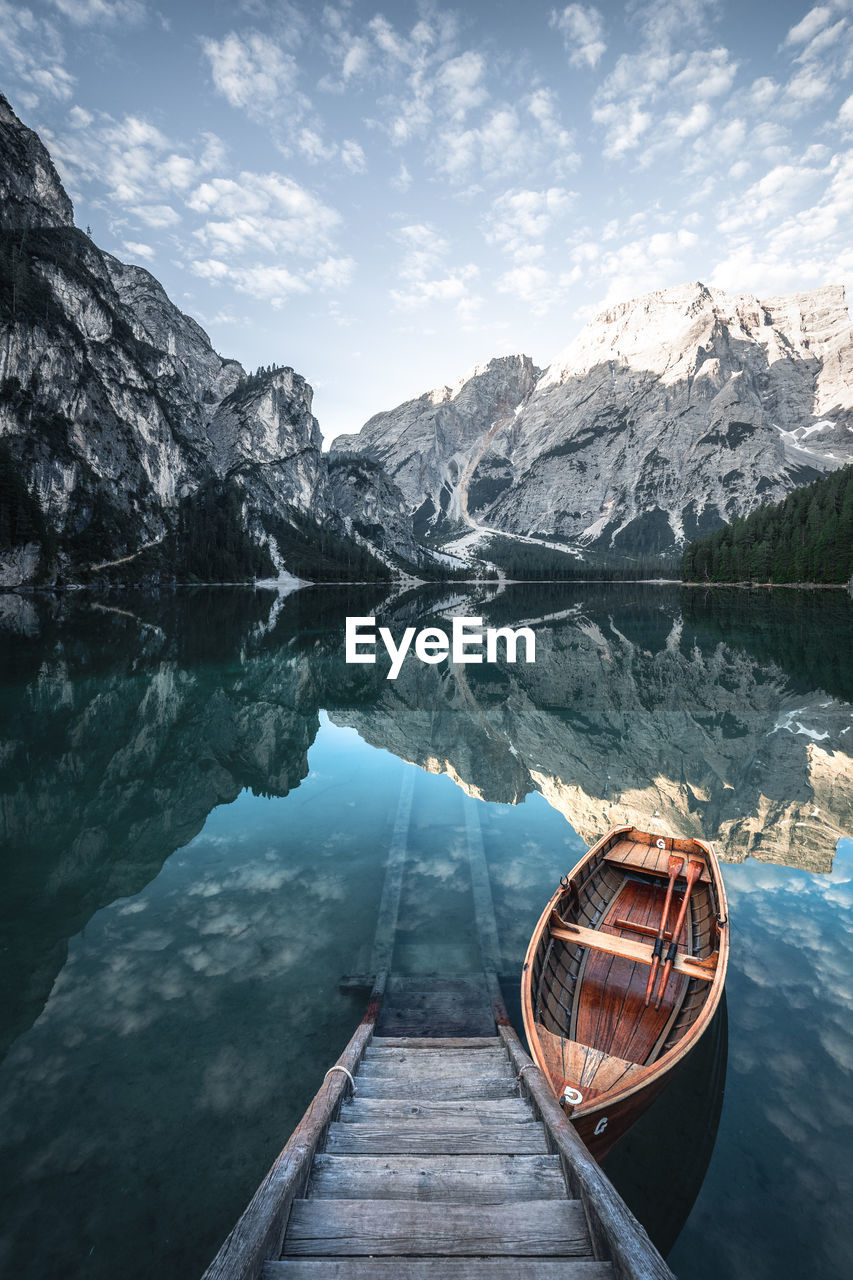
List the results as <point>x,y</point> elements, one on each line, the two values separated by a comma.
<point>435,1149</point>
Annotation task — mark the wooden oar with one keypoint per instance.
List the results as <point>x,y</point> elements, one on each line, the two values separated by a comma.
<point>674,867</point>
<point>694,871</point>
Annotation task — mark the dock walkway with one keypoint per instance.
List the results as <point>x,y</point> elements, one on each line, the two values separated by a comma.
<point>435,1148</point>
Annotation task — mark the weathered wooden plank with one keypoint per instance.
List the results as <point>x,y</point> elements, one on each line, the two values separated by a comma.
<point>450,1087</point>
<point>538,1228</point>
<point>439,1005</point>
<point>438,1269</point>
<point>436,1137</point>
<point>467,1179</point>
<point>416,1109</point>
<point>420,1064</point>
<point>642,857</point>
<point>639,952</point>
<point>468,1059</point>
<point>437,1042</point>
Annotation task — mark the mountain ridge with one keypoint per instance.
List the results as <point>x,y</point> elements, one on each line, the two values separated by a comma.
<point>116,412</point>
<point>668,415</point>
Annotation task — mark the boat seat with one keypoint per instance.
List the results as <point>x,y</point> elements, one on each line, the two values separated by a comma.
<point>627,949</point>
<point>635,855</point>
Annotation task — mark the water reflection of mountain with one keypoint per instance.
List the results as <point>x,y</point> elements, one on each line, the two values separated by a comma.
<point>127,719</point>
<point>639,709</point>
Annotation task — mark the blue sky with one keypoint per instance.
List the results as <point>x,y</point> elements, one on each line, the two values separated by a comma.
<point>383,194</point>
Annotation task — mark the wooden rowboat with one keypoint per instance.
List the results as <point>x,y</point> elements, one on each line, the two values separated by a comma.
<point>611,1001</point>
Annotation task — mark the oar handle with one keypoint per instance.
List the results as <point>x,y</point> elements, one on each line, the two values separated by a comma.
<point>675,866</point>
<point>694,871</point>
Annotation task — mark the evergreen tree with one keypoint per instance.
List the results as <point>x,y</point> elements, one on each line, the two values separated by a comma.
<point>808,537</point>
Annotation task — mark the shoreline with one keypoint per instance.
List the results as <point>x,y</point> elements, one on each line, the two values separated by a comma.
<point>293,586</point>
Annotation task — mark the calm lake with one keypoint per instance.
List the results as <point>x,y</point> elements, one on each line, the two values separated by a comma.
<point>198,797</point>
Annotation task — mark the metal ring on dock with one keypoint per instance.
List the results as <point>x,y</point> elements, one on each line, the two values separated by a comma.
<point>346,1073</point>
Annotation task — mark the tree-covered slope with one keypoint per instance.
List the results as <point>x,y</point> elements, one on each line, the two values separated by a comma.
<point>808,537</point>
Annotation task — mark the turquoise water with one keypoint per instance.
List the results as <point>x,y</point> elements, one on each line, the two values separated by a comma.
<point>198,799</point>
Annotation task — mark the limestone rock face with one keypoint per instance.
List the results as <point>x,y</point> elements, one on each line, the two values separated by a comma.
<point>668,416</point>
<point>31,194</point>
<point>431,445</point>
<point>114,406</point>
<point>678,411</point>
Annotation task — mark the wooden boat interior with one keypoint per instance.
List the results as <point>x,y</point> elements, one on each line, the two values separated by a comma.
<point>591,967</point>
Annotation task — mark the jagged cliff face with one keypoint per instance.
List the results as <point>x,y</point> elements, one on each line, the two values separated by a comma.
<point>668,416</point>
<point>673,413</point>
<point>31,194</point>
<point>114,406</point>
<point>431,445</point>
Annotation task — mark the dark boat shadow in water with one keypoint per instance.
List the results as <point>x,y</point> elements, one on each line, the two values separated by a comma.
<point>659,1166</point>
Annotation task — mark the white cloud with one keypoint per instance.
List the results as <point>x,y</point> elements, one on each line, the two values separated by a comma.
<point>656,98</point>
<point>177,172</point>
<point>624,124</point>
<point>135,161</point>
<point>85,12</point>
<point>254,74</point>
<point>313,147</point>
<point>777,249</point>
<point>767,198</point>
<point>32,51</point>
<point>426,276</point>
<point>451,287</point>
<point>402,180</point>
<point>687,126</point>
<point>809,26</point>
<point>262,211</point>
<point>460,82</point>
<point>807,87</point>
<point>353,157</point>
<point>763,91</point>
<point>535,285</point>
<point>155,215</point>
<point>706,74</point>
<point>137,250</point>
<point>504,144</point>
<point>582,29</point>
<point>845,116</point>
<point>519,216</point>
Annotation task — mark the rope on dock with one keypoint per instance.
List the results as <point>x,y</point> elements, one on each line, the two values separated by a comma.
<point>337,1067</point>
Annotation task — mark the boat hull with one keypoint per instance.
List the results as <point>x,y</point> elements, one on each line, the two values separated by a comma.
<point>606,1052</point>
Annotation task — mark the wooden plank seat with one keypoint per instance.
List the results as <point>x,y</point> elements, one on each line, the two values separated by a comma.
<point>634,855</point>
<point>639,952</point>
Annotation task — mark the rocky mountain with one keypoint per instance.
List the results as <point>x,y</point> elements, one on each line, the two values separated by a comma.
<point>431,446</point>
<point>668,416</point>
<point>116,414</point>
